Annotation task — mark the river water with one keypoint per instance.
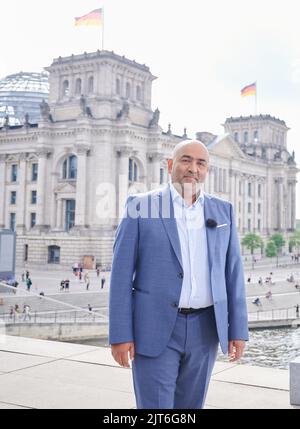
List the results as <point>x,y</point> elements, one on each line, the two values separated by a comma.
<point>273,348</point>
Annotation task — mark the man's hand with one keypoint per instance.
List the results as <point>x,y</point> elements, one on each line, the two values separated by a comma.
<point>235,350</point>
<point>120,353</point>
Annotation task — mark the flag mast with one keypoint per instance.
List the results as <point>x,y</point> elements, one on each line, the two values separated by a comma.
<point>256,98</point>
<point>103,28</point>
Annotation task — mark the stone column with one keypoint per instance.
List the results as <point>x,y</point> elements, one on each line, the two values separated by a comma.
<point>279,198</point>
<point>293,205</point>
<point>2,190</point>
<point>53,214</point>
<point>41,188</point>
<point>122,179</point>
<point>59,213</point>
<point>155,158</point>
<point>254,206</point>
<point>268,201</point>
<point>81,191</point>
<point>21,195</point>
<point>211,180</point>
<point>232,179</point>
<point>245,205</point>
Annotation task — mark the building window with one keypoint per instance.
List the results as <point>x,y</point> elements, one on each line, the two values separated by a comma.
<point>128,90</point>
<point>73,167</point>
<point>34,172</point>
<point>138,93</point>
<point>14,173</point>
<point>133,171</point>
<point>246,137</point>
<point>224,180</point>
<point>13,197</point>
<point>12,221</point>
<point>236,137</point>
<point>32,220</point>
<point>259,190</point>
<point>240,187</point>
<point>249,207</point>
<point>65,164</point>
<point>26,253</point>
<point>249,190</point>
<point>91,85</point>
<point>70,168</point>
<point>65,90</point>
<point>33,197</point>
<point>259,209</point>
<point>53,255</point>
<point>161,176</point>
<point>118,87</point>
<point>239,207</point>
<point>249,225</point>
<point>258,225</point>
<point>255,136</point>
<point>78,85</point>
<point>70,214</point>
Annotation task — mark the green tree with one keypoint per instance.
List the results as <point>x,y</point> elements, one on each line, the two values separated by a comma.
<point>294,240</point>
<point>252,242</point>
<point>271,249</point>
<point>279,242</point>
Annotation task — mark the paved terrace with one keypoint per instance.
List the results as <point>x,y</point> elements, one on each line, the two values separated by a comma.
<point>41,374</point>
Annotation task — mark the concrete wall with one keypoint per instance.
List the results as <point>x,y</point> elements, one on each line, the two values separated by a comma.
<point>58,331</point>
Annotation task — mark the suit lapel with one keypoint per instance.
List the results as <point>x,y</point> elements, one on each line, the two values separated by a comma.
<point>210,212</point>
<point>166,213</point>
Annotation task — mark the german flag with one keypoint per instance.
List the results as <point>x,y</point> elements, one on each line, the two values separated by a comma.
<point>249,90</point>
<point>93,18</point>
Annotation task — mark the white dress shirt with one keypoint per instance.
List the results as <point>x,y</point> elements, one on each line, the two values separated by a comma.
<point>196,287</point>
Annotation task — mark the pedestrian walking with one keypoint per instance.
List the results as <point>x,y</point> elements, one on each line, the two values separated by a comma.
<point>62,285</point>
<point>102,282</point>
<point>67,285</point>
<point>297,310</point>
<point>90,307</point>
<point>26,312</point>
<point>98,272</point>
<point>11,312</point>
<point>28,284</point>
<point>269,295</point>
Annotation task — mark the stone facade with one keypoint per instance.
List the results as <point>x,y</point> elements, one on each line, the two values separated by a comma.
<point>63,184</point>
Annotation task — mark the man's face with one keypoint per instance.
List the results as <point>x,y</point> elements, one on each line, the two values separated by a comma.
<point>189,167</point>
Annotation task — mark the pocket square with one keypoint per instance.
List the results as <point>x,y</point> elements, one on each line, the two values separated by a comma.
<point>220,226</point>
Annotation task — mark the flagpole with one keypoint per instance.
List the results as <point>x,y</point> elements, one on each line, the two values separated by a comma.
<point>102,28</point>
<point>256,98</point>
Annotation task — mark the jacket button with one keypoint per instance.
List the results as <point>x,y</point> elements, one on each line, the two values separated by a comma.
<point>180,275</point>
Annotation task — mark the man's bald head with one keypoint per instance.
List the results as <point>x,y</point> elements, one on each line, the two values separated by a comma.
<point>182,145</point>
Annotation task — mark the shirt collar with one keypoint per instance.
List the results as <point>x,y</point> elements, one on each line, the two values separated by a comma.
<point>176,197</point>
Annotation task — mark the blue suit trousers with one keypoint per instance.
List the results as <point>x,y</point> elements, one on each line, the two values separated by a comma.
<point>179,377</point>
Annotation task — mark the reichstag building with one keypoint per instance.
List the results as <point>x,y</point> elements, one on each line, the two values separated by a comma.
<point>66,172</point>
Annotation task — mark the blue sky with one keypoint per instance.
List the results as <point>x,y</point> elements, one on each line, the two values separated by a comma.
<point>202,52</point>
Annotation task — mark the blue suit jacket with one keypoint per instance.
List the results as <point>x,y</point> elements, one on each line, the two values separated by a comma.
<point>147,273</point>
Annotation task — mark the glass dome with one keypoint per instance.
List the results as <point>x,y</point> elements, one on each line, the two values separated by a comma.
<point>21,94</point>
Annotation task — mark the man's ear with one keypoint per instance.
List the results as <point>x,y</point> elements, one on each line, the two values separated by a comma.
<point>170,165</point>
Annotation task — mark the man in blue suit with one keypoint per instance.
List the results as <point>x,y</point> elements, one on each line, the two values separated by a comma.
<point>177,286</point>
